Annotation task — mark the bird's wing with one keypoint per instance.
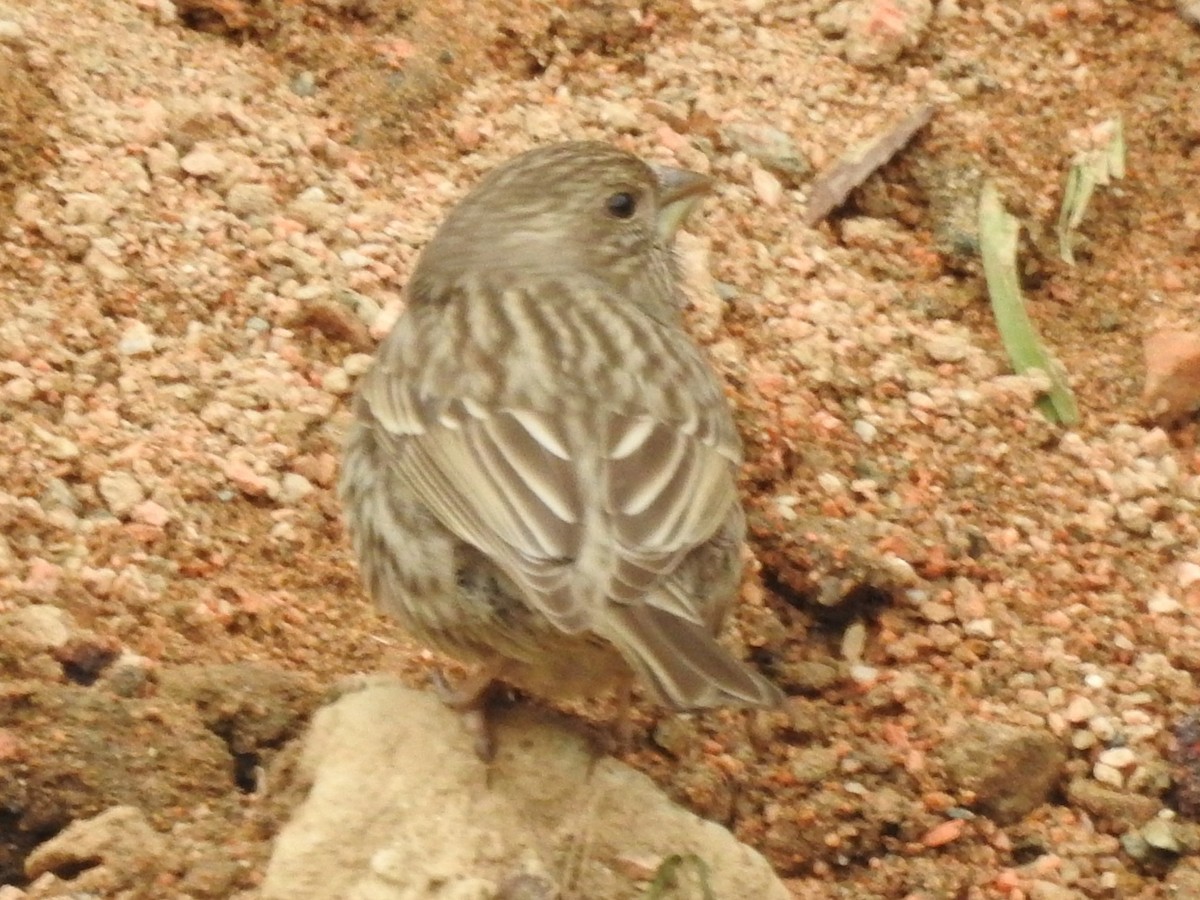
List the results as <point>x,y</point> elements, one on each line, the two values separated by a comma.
<point>578,508</point>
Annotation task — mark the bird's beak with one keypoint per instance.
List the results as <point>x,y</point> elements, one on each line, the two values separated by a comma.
<point>679,192</point>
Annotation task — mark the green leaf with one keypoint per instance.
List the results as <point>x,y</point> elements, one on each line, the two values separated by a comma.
<point>1089,169</point>
<point>998,232</point>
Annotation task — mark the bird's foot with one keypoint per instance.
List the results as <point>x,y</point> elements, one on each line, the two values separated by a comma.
<point>472,699</point>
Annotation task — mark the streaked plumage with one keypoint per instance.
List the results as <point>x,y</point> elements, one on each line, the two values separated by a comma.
<point>541,475</point>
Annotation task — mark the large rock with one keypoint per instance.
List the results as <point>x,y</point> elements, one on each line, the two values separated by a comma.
<point>398,807</point>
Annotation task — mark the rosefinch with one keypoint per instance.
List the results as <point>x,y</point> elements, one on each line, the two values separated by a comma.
<point>540,477</point>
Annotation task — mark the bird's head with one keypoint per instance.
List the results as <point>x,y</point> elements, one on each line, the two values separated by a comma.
<point>574,207</point>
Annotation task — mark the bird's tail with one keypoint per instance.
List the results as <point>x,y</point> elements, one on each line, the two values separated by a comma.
<point>682,664</point>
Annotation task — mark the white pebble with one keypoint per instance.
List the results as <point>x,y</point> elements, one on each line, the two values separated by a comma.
<point>352,259</point>
<point>11,33</point>
<point>1161,604</point>
<point>1080,709</point>
<point>854,642</point>
<point>293,488</point>
<point>865,430</point>
<point>1108,775</point>
<point>831,484</point>
<point>1117,757</point>
<point>356,364</point>
<point>137,340</point>
<point>1188,574</point>
<point>767,187</point>
<point>336,381</point>
<point>982,628</point>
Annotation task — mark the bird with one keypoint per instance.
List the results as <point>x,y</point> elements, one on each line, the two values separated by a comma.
<point>540,476</point>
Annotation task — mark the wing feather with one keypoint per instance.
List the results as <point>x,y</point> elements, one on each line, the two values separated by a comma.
<point>580,505</point>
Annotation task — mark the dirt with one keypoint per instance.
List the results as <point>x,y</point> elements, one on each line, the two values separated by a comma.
<point>939,572</point>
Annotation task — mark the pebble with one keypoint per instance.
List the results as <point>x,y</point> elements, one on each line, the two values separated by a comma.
<point>150,513</point>
<point>102,257</point>
<point>766,186</point>
<point>1187,574</point>
<point>948,348</point>
<point>121,492</point>
<point>357,364</point>
<point>293,488</point>
<point>57,446</point>
<point>866,432</point>
<point>249,482</point>
<point>39,625</point>
<point>304,84</point>
<point>1080,709</point>
<point>11,33</point>
<point>772,148</point>
<point>203,162</point>
<point>136,340</point>
<point>1162,604</point>
<point>870,45</point>
<point>162,160</point>
<point>1118,757</point>
<point>246,200</point>
<point>1109,775</point>
<point>336,381</point>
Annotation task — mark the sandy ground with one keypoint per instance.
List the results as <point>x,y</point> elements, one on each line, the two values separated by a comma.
<point>985,621</point>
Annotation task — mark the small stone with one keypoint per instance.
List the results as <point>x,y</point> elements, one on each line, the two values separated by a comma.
<point>938,613</point>
<point>1108,775</point>
<point>854,642</point>
<point>121,492</point>
<point>771,148</point>
<point>40,626</point>
<point>815,765</point>
<point>304,84</point>
<point>767,187</point>
<point>1160,834</point>
<point>981,628</point>
<point>58,447</point>
<point>246,200</point>
<point>1080,709</point>
<point>1187,574</point>
<point>245,479</point>
<point>947,348</point>
<point>866,431</point>
<point>20,390</point>
<point>1172,388</point>
<point>11,33</point>
<point>137,340</point>
<point>1041,889</point>
<point>336,381</point>
<point>1011,770</point>
<point>103,259</point>
<point>876,34</point>
<point>163,160</point>
<point>356,364</point>
<point>202,162</point>
<point>1118,757</point>
<point>622,117</point>
<point>120,839</point>
<point>150,513</point>
<point>293,488</point>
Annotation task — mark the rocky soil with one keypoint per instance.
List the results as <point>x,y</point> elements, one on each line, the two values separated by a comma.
<point>985,621</point>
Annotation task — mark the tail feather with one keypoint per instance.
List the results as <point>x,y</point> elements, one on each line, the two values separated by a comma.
<point>682,663</point>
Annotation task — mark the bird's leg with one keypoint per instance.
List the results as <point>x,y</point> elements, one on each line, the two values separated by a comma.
<point>472,699</point>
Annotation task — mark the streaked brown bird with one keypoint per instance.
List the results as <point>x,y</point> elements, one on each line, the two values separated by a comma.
<point>541,475</point>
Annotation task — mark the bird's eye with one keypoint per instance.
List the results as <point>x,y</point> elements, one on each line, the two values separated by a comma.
<point>622,205</point>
